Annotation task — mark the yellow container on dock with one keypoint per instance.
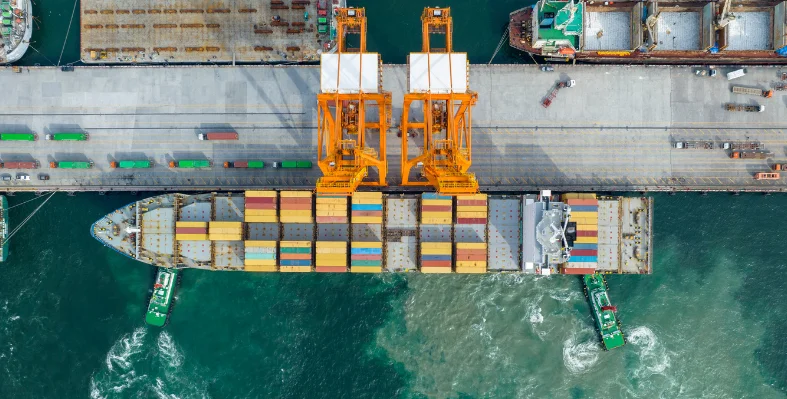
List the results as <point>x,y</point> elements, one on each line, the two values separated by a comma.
<point>191,224</point>
<point>261,219</point>
<point>296,194</point>
<point>366,244</point>
<point>260,268</point>
<point>261,194</point>
<point>295,269</point>
<point>471,245</point>
<point>366,269</point>
<point>191,237</point>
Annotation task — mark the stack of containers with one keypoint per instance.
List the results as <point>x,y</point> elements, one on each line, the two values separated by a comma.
<point>260,256</point>
<point>260,207</point>
<point>436,209</point>
<point>471,257</point>
<point>295,256</point>
<point>366,257</point>
<point>226,231</point>
<point>296,207</point>
<point>367,208</point>
<point>331,256</point>
<point>584,254</point>
<point>471,209</point>
<point>331,209</point>
<point>191,231</point>
<point>436,257</point>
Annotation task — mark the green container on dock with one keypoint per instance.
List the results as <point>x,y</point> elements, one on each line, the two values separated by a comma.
<point>193,163</point>
<point>256,164</point>
<point>67,137</point>
<point>74,165</point>
<point>17,136</point>
<point>303,164</point>
<point>133,164</point>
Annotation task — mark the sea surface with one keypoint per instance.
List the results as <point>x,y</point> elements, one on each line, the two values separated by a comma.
<point>711,322</point>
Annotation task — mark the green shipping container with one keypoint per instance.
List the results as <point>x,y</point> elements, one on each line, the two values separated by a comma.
<point>256,164</point>
<point>17,136</point>
<point>303,164</point>
<point>68,137</point>
<point>193,163</point>
<point>289,164</point>
<point>296,250</point>
<point>74,165</point>
<point>133,164</point>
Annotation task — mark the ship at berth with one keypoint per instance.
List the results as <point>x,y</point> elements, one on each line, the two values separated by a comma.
<point>372,232</point>
<point>16,29</point>
<point>674,32</point>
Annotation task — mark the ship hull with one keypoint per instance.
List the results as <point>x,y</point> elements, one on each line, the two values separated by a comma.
<point>3,228</point>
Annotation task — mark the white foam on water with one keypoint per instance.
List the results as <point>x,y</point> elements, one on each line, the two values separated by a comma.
<point>119,373</point>
<point>534,314</point>
<point>169,351</point>
<point>124,349</point>
<point>653,357</point>
<point>579,357</point>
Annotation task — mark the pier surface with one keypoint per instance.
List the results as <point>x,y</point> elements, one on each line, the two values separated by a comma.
<point>613,131</point>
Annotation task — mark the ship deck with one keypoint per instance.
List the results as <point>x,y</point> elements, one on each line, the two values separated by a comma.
<point>618,141</point>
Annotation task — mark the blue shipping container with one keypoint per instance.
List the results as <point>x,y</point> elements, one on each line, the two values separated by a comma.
<point>435,196</point>
<point>435,257</point>
<point>584,208</point>
<point>290,262</point>
<point>585,246</point>
<point>366,251</point>
<point>583,259</point>
<point>367,207</point>
<point>260,256</point>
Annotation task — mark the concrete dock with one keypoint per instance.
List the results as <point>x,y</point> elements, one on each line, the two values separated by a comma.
<point>613,131</point>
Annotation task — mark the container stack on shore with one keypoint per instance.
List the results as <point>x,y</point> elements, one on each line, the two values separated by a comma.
<point>296,207</point>
<point>584,211</point>
<point>366,252</point>
<point>260,256</point>
<point>331,256</point>
<point>261,207</point>
<point>191,231</point>
<point>331,209</point>
<point>295,256</point>
<point>470,233</point>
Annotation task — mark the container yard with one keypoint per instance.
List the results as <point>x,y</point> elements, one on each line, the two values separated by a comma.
<point>267,231</point>
<point>131,31</point>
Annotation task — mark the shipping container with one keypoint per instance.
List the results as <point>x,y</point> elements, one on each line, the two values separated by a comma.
<point>577,270</point>
<point>218,136</point>
<point>21,165</point>
<point>141,164</point>
<point>71,165</point>
<point>245,164</point>
<point>68,137</point>
<point>191,164</point>
<point>293,164</point>
<point>18,137</point>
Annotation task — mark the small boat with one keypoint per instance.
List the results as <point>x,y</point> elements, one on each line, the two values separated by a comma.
<point>161,299</point>
<point>604,312</point>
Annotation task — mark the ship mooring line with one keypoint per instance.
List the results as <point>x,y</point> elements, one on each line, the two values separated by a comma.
<point>13,232</point>
<point>36,198</point>
<point>67,32</point>
<point>499,46</point>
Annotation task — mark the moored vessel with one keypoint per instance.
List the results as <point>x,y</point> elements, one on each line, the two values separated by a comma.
<point>3,228</point>
<point>607,324</point>
<point>16,29</point>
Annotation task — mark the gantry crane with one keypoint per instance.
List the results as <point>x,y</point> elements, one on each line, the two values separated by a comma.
<point>353,111</point>
<point>439,85</point>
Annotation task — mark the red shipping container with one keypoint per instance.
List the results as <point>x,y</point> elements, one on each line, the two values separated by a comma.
<point>474,258</point>
<point>331,219</point>
<point>260,200</point>
<point>470,203</point>
<point>587,233</point>
<point>471,221</point>
<point>584,252</point>
<point>260,206</point>
<point>473,251</point>
<point>367,213</point>
<point>436,208</point>
<point>331,269</point>
<point>578,270</point>
<point>240,164</point>
<point>582,202</point>
<point>366,257</point>
<point>221,136</point>
<point>296,207</point>
<point>20,165</point>
<point>436,263</point>
<point>286,256</point>
<point>191,230</point>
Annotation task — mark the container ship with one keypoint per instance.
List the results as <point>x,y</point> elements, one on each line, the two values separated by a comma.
<point>16,30</point>
<point>675,32</point>
<point>603,311</point>
<point>3,228</point>
<point>372,232</point>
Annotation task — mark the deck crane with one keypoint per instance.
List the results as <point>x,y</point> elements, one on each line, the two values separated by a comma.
<point>438,84</point>
<point>353,111</point>
<point>725,16</point>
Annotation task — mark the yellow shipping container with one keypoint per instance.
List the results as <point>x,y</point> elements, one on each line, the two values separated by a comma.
<point>260,268</point>
<point>471,263</point>
<point>442,202</point>
<point>331,244</point>
<point>569,196</point>
<point>435,270</point>
<point>368,194</point>
<point>436,221</point>
<point>471,270</point>
<point>260,212</point>
<point>191,237</point>
<point>191,224</point>
<point>367,220</point>
<point>366,269</point>
<point>331,201</point>
<point>472,197</point>
<point>584,215</point>
<point>295,269</point>
<point>296,219</point>
<point>471,245</point>
<point>587,227</point>
<point>296,194</point>
<point>366,244</point>
<point>331,250</point>
<point>468,208</point>
<point>331,259</point>
<point>234,225</point>
<point>437,245</point>
<point>260,244</point>
<point>260,193</point>
<point>226,237</point>
<point>331,207</point>
<point>259,262</point>
<point>295,244</point>
<point>586,240</point>
<point>461,214</point>
<point>261,219</point>
<point>225,231</point>
<point>333,213</point>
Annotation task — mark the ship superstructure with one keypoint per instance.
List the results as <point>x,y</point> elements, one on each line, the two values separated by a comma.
<point>296,231</point>
<point>679,32</point>
<point>16,29</point>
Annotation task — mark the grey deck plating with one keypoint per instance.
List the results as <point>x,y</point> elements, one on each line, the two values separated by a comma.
<point>613,131</point>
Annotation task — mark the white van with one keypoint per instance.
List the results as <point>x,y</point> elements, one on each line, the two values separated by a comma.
<point>736,74</point>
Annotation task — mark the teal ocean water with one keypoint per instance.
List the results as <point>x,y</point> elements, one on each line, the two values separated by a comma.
<point>709,323</point>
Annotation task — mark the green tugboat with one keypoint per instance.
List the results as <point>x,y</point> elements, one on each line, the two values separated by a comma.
<point>604,312</point>
<point>161,300</point>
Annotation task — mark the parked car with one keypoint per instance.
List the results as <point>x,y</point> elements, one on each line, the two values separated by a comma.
<point>6,177</point>
<point>43,176</point>
<point>548,68</point>
<point>23,177</point>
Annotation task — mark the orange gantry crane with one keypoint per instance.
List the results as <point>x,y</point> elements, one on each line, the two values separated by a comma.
<point>438,85</point>
<point>353,112</point>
